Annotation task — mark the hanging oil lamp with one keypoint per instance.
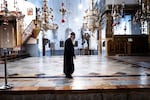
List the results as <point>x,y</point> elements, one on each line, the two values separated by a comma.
<point>63,12</point>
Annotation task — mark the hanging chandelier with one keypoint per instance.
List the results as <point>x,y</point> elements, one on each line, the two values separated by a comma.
<point>4,8</point>
<point>143,12</point>
<point>46,17</point>
<point>91,19</point>
<point>4,12</point>
<point>117,12</point>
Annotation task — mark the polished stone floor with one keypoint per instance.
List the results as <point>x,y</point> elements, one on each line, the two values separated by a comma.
<point>91,72</point>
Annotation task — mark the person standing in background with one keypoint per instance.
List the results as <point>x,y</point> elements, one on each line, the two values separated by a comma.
<point>68,56</point>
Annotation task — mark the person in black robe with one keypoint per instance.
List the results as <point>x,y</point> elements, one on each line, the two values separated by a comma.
<point>68,56</point>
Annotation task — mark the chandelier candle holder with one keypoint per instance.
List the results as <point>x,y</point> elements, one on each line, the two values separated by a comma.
<point>91,19</point>
<point>46,17</point>
<point>117,12</point>
<point>4,12</point>
<point>15,3</point>
<point>143,13</point>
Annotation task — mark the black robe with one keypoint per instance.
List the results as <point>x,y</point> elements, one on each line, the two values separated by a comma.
<point>68,57</point>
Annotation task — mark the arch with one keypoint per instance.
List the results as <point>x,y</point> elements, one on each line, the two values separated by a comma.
<point>67,32</point>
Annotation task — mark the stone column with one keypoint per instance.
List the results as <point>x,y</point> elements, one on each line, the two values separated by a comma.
<point>149,35</point>
<point>99,42</point>
<point>109,22</point>
<point>19,31</point>
<point>109,33</point>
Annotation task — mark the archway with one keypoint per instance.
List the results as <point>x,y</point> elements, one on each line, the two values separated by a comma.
<point>67,32</point>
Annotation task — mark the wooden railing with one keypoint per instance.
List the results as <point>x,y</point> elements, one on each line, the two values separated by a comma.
<point>27,32</point>
<point>124,45</point>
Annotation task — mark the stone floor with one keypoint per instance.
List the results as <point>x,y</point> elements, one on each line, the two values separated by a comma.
<point>85,66</point>
<point>91,73</point>
<point>88,69</point>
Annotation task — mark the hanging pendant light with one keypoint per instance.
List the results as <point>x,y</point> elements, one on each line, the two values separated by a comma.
<point>62,12</point>
<point>62,21</point>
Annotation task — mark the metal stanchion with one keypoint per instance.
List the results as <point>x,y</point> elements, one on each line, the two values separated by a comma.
<point>5,86</point>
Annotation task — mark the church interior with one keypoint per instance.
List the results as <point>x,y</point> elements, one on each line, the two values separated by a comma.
<point>112,48</point>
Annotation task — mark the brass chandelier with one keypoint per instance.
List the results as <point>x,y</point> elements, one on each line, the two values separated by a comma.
<point>91,19</point>
<point>143,12</point>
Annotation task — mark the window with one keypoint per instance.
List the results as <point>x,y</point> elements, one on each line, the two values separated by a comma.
<point>123,26</point>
